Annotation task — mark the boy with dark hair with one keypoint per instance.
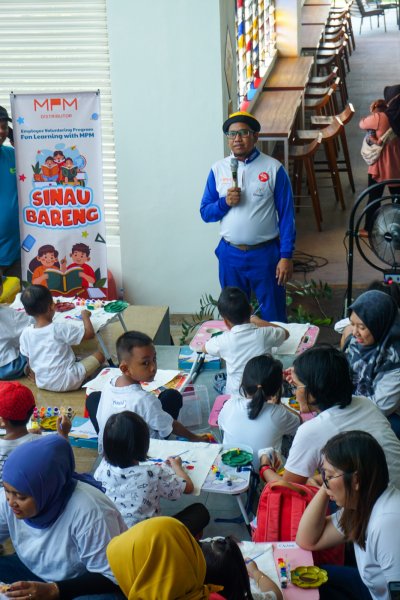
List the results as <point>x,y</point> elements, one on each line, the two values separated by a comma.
<point>248,336</point>
<point>48,257</point>
<point>80,255</point>
<point>47,344</point>
<point>138,362</point>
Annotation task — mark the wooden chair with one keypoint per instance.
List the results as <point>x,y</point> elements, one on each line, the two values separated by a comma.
<point>330,135</point>
<point>344,117</point>
<point>303,155</point>
<point>362,10</point>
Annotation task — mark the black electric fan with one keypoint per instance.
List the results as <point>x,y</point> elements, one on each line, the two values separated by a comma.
<point>383,240</point>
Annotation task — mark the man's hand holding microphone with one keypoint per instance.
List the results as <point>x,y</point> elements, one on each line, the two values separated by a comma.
<point>233,194</point>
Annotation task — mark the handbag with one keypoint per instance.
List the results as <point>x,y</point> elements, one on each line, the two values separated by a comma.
<point>372,152</point>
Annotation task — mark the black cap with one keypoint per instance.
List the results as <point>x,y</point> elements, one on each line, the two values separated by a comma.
<point>241,117</point>
<point>4,114</point>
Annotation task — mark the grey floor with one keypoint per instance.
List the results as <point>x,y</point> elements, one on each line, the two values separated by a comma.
<point>374,65</point>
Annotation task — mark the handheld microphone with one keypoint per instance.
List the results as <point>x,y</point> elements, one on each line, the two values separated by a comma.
<point>234,171</point>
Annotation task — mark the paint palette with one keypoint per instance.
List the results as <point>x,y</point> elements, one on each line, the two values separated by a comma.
<point>116,306</point>
<point>206,331</point>
<point>309,577</point>
<point>64,306</point>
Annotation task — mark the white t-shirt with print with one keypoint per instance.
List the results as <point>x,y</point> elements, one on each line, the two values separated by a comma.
<point>12,324</point>
<point>74,544</point>
<point>238,345</point>
<point>266,430</point>
<point>136,490</point>
<point>132,397</point>
<point>7,446</point>
<point>379,563</point>
<point>50,355</point>
<point>305,454</point>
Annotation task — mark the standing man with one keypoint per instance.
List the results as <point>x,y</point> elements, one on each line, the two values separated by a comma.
<point>256,215</point>
<point>10,259</point>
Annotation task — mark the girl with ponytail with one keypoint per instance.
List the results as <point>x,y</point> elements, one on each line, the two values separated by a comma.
<point>255,416</point>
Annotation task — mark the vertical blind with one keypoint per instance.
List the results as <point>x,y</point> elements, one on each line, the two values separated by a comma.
<point>255,46</point>
<point>62,46</point>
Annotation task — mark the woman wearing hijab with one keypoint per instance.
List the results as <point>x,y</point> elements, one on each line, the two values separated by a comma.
<point>388,164</point>
<point>372,348</point>
<point>159,559</point>
<point>59,527</point>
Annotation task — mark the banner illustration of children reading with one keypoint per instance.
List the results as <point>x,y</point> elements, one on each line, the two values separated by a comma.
<point>46,269</point>
<point>60,192</point>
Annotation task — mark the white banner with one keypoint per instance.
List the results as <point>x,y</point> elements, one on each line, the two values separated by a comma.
<point>60,191</point>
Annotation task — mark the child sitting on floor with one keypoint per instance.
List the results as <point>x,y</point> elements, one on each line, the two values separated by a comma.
<point>16,407</point>
<point>248,336</point>
<point>138,362</point>
<point>226,566</point>
<point>47,344</point>
<point>136,489</point>
<point>12,324</point>
<point>256,416</point>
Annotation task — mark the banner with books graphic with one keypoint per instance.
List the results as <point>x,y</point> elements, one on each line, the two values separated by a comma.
<point>60,190</point>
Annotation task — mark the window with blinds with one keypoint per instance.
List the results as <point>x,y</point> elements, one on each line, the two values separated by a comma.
<point>62,47</point>
<point>255,44</point>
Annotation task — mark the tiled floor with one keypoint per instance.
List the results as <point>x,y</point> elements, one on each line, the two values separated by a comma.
<point>374,65</point>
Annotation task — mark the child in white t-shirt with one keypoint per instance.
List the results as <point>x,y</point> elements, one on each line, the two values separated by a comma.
<point>12,324</point>
<point>138,362</point>
<point>255,416</point>
<point>47,344</point>
<point>248,336</point>
<point>136,489</point>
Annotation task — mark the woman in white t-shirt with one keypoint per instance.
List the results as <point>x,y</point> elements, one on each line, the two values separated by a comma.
<point>356,477</point>
<point>256,416</point>
<point>59,526</point>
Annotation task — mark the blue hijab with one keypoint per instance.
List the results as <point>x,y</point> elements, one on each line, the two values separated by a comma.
<point>380,314</point>
<point>43,469</point>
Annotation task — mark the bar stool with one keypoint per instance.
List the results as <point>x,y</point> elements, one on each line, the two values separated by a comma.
<point>325,80</point>
<point>304,155</point>
<point>327,49</point>
<point>344,117</point>
<point>336,18</point>
<point>317,92</point>
<point>330,135</point>
<point>323,105</point>
<point>327,63</point>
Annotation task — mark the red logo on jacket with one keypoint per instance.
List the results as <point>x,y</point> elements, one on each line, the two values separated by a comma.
<point>263,176</point>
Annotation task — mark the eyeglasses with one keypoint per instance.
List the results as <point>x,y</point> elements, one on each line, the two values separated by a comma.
<point>326,479</point>
<point>243,133</point>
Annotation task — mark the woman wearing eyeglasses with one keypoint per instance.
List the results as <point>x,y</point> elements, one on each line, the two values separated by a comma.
<point>355,476</point>
<point>323,381</point>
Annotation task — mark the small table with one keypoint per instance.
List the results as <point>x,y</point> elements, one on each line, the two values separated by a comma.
<point>276,111</point>
<point>310,37</point>
<point>289,74</point>
<point>315,15</point>
<point>297,557</point>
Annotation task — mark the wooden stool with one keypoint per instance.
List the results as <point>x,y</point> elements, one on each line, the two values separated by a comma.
<point>330,135</point>
<point>344,117</point>
<point>304,155</point>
